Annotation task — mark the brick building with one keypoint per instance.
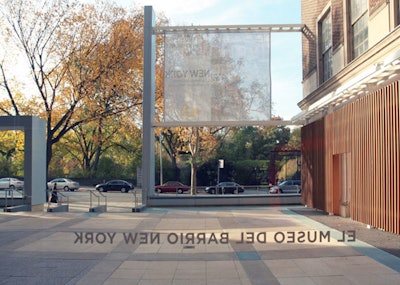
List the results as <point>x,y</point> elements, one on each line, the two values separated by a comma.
<point>351,110</point>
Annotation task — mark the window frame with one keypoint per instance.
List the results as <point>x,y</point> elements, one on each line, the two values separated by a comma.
<point>397,12</point>
<point>326,46</point>
<point>357,49</point>
<point>322,49</point>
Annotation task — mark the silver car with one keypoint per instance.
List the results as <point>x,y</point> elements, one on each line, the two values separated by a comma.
<point>63,184</point>
<point>287,186</point>
<point>11,183</point>
<point>225,188</point>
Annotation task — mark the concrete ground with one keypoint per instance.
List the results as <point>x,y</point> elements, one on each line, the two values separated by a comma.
<point>383,240</point>
<point>210,245</point>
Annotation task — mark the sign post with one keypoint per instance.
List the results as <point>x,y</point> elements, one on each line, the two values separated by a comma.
<point>220,165</point>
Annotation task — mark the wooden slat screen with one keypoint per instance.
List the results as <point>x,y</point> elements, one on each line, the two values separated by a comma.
<point>368,129</point>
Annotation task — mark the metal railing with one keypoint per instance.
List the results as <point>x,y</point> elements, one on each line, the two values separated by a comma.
<point>136,199</point>
<point>9,195</point>
<point>61,199</point>
<point>258,188</point>
<point>99,196</point>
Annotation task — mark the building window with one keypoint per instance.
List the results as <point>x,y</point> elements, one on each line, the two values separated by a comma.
<point>398,12</point>
<point>326,46</point>
<point>359,26</point>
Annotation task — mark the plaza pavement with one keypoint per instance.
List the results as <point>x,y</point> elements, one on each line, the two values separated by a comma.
<point>210,245</point>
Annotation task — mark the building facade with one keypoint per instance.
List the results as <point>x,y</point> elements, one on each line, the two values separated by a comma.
<point>351,110</point>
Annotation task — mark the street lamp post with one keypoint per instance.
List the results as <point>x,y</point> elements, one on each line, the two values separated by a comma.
<point>161,169</point>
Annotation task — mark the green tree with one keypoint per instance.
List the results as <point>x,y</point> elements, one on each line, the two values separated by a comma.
<point>295,138</point>
<point>250,151</point>
<point>11,153</point>
<point>173,144</point>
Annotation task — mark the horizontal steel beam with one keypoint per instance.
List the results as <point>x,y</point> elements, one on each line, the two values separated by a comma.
<point>221,124</point>
<point>229,28</point>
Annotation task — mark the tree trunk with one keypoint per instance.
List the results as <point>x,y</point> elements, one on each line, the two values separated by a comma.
<point>49,147</point>
<point>193,178</point>
<point>177,171</point>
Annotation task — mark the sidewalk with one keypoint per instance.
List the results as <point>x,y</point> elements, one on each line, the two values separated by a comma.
<point>383,240</point>
<point>213,245</point>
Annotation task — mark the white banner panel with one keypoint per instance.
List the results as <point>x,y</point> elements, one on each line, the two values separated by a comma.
<point>217,76</point>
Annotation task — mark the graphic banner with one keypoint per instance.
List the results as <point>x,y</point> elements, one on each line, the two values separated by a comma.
<point>217,76</point>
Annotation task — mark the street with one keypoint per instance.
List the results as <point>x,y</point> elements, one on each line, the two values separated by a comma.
<point>87,197</point>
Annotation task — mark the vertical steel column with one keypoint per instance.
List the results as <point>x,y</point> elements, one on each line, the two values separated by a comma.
<point>149,60</point>
<point>35,162</point>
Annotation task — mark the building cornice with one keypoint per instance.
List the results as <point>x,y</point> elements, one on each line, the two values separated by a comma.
<point>365,73</point>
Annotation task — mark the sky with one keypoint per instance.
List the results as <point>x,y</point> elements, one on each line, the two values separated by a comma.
<point>286,70</point>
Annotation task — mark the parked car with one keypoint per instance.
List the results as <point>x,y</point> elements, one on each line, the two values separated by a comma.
<point>172,186</point>
<point>287,186</point>
<point>115,185</point>
<point>63,184</point>
<point>11,183</point>
<point>225,188</point>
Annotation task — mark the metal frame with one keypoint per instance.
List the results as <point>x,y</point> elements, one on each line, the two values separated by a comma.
<point>229,28</point>
<point>34,157</point>
<point>221,123</point>
<point>149,55</point>
<point>150,31</point>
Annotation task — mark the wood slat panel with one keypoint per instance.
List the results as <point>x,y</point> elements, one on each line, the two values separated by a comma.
<point>368,129</point>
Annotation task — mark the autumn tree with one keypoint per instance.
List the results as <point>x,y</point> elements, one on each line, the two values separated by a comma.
<point>88,146</point>
<point>202,143</point>
<point>82,59</point>
<point>86,143</point>
<point>110,91</point>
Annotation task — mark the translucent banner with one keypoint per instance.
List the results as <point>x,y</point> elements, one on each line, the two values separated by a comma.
<point>217,76</point>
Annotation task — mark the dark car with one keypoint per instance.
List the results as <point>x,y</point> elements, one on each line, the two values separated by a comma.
<point>287,186</point>
<point>172,186</point>
<point>115,185</point>
<point>225,188</point>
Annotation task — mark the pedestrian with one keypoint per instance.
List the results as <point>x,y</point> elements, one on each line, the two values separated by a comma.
<point>54,196</point>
